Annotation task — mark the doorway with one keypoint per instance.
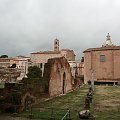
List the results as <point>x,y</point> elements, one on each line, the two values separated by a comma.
<point>64,78</point>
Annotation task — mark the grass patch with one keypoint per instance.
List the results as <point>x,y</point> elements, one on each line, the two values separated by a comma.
<point>58,106</point>
<point>106,103</point>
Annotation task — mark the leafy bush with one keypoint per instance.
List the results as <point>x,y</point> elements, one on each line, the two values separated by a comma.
<point>34,72</point>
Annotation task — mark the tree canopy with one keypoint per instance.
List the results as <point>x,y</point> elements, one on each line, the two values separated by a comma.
<point>13,65</point>
<point>82,59</point>
<point>34,72</point>
<point>4,56</point>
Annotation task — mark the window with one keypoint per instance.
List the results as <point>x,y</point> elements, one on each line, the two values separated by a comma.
<point>40,65</point>
<point>102,58</point>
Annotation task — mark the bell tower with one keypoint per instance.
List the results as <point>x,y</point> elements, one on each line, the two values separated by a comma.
<point>56,45</point>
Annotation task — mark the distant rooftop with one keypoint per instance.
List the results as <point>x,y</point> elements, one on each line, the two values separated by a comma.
<point>108,45</point>
<point>7,58</point>
<point>65,49</point>
<point>103,48</point>
<point>51,52</point>
<point>21,56</point>
<point>46,52</point>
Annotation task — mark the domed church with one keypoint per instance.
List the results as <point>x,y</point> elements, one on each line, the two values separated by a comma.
<point>102,65</point>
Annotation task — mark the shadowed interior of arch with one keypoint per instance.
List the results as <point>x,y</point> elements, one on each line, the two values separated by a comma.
<point>64,78</point>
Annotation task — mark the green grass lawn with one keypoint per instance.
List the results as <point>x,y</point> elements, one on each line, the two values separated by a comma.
<point>106,103</point>
<point>58,106</point>
<point>105,106</point>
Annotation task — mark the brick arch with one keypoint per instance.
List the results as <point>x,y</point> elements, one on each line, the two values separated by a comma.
<point>64,82</point>
<point>58,76</point>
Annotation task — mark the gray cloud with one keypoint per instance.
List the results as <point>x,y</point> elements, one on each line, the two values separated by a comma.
<point>31,25</point>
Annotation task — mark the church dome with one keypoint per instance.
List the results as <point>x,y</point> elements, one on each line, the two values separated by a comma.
<point>108,41</point>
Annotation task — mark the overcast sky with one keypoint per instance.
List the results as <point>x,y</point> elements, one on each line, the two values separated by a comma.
<point>31,25</point>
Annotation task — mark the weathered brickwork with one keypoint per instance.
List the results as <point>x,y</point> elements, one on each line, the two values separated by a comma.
<point>58,75</point>
<point>104,62</point>
<point>68,54</point>
<point>40,58</point>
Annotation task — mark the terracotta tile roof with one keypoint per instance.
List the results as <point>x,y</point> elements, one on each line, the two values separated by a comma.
<point>47,52</point>
<point>7,58</point>
<point>102,48</point>
<point>65,49</point>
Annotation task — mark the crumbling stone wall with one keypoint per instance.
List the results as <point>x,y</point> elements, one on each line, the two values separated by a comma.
<point>57,80</point>
<point>19,95</point>
<point>9,74</point>
<point>58,76</point>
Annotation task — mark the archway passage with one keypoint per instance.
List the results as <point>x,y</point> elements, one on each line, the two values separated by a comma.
<point>64,78</point>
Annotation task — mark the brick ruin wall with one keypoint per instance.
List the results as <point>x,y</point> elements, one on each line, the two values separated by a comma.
<point>58,74</point>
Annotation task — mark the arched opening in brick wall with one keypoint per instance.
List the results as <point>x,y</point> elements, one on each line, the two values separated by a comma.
<point>64,79</point>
